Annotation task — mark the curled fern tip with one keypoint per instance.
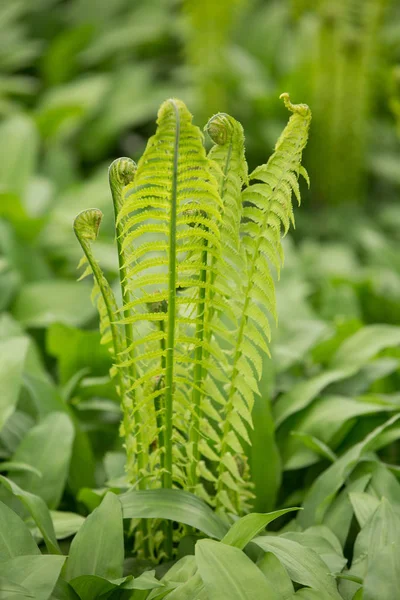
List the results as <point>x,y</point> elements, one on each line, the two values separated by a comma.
<point>122,171</point>
<point>302,109</point>
<point>87,224</point>
<point>219,128</point>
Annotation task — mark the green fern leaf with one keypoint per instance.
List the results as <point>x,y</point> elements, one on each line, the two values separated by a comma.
<point>172,217</point>
<point>268,215</point>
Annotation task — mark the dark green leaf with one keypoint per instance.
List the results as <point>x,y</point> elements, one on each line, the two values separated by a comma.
<point>38,574</point>
<point>39,512</point>
<point>98,547</point>
<point>15,537</point>
<point>243,530</point>
<point>324,489</point>
<point>228,573</point>
<point>303,564</point>
<point>47,447</point>
<point>175,505</point>
<point>41,303</point>
<point>12,358</point>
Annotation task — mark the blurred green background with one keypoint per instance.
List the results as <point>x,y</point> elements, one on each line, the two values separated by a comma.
<point>80,84</point>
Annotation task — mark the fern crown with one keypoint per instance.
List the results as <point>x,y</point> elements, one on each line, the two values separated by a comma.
<point>197,238</point>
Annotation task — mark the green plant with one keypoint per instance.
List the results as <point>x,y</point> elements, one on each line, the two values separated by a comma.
<point>196,242</point>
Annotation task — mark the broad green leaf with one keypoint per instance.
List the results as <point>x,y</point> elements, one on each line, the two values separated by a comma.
<point>192,589</point>
<point>174,581</point>
<point>277,575</point>
<point>324,420</point>
<point>384,483</point>
<point>382,580</point>
<point>340,513</point>
<point>326,486</point>
<point>98,547</point>
<point>381,530</point>
<point>39,512</point>
<point>12,358</point>
<point>303,564</point>
<point>9,588</point>
<point>19,153</point>
<point>327,549</point>
<point>365,344</point>
<point>15,537</point>
<point>15,429</point>
<point>63,591</point>
<point>303,393</point>
<point>308,594</point>
<point>65,524</point>
<point>11,466</point>
<point>90,587</point>
<point>378,538</point>
<point>76,349</point>
<point>228,573</point>
<point>38,574</point>
<point>41,303</point>
<point>48,447</point>
<point>364,506</point>
<point>317,447</point>
<point>266,474</point>
<point>175,505</point>
<point>243,530</point>
<point>46,400</point>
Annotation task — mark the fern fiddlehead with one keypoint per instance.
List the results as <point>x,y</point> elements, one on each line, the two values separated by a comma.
<point>86,228</point>
<point>267,207</point>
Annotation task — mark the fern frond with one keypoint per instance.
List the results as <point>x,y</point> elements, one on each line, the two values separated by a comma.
<point>229,155</point>
<point>267,217</point>
<point>197,244</point>
<point>172,217</point>
<point>86,228</point>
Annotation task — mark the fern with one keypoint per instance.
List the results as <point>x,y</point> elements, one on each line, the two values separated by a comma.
<point>196,239</point>
<point>86,228</point>
<point>176,196</point>
<point>268,210</point>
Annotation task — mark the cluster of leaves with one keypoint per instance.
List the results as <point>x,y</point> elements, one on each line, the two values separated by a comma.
<point>187,397</point>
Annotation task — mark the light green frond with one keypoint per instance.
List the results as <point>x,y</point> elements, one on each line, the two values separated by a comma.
<point>196,245</point>
<point>228,153</point>
<point>171,223</point>
<point>86,228</point>
<point>267,216</point>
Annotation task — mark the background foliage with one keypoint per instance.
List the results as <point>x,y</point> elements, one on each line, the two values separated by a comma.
<point>80,84</point>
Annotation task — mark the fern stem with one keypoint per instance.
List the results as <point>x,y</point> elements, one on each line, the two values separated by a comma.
<point>198,373</point>
<point>171,323</point>
<point>121,173</point>
<point>159,404</point>
<point>171,320</point>
<point>86,227</point>
<point>243,321</point>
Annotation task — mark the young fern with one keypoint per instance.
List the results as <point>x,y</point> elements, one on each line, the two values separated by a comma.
<point>86,228</point>
<point>267,207</point>
<point>174,198</point>
<point>196,242</point>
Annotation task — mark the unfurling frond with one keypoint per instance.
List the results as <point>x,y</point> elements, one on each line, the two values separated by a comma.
<point>267,214</point>
<point>174,204</point>
<point>229,155</point>
<point>197,241</point>
<point>86,228</point>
